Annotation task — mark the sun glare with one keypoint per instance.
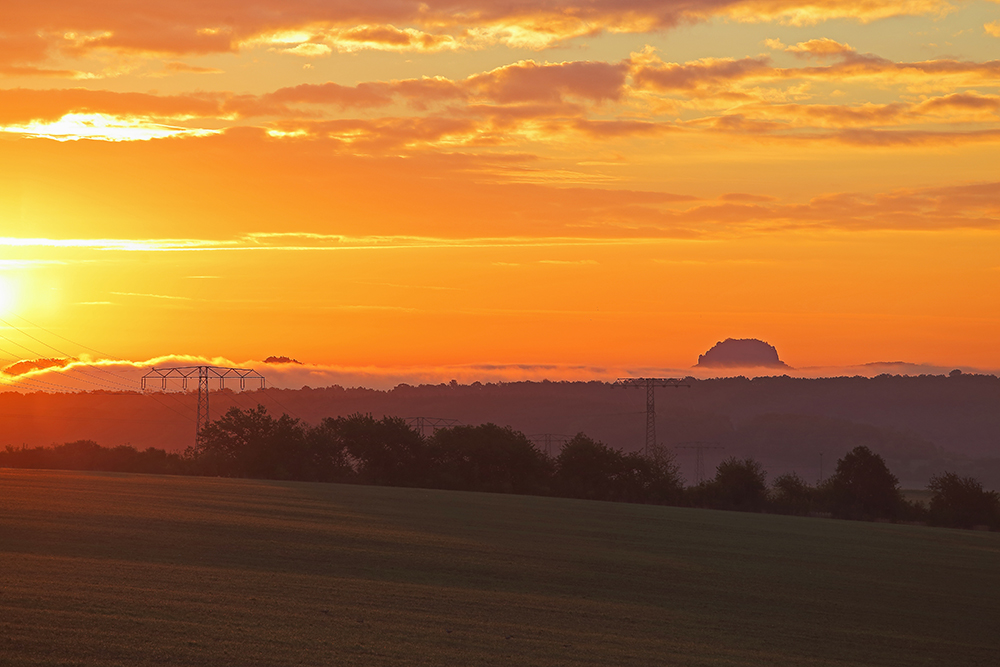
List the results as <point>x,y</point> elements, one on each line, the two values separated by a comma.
<point>6,295</point>
<point>75,126</point>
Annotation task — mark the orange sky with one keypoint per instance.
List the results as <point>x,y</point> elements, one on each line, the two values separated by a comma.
<point>396,185</point>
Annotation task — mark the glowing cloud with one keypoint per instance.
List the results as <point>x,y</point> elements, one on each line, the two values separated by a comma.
<point>76,126</point>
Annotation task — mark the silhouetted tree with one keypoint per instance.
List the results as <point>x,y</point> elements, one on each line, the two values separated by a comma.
<point>88,455</point>
<point>488,458</point>
<point>790,495</point>
<point>649,478</point>
<point>383,451</point>
<point>961,502</point>
<point>739,485</point>
<point>586,468</point>
<point>251,443</point>
<point>326,451</point>
<point>863,488</point>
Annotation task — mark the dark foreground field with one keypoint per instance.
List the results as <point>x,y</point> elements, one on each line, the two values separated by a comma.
<point>107,569</point>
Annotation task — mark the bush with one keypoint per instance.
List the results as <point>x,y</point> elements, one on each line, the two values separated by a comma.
<point>739,485</point>
<point>790,495</point>
<point>961,502</point>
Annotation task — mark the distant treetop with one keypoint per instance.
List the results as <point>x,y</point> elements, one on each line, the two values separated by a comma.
<point>282,360</point>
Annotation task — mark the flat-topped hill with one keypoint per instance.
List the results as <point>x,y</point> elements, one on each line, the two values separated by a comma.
<point>741,353</point>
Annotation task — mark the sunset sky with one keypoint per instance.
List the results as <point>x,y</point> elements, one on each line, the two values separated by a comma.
<point>554,188</point>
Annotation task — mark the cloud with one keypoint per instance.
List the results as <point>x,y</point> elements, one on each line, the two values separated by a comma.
<point>969,101</point>
<point>821,48</point>
<point>34,33</point>
<point>391,38</point>
<point>528,81</point>
<point>128,245</point>
<point>184,68</point>
<point>606,129</point>
<point>153,296</point>
<point>364,95</point>
<point>651,73</point>
<point>992,28</point>
<point>714,76</point>
<point>531,102</point>
<point>746,197</point>
<point>75,126</point>
<point>523,82</point>
<point>23,105</point>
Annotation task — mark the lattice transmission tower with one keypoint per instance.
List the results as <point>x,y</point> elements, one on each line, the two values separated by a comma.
<point>421,424</point>
<point>202,374</point>
<point>699,448</point>
<point>650,384</point>
<point>544,441</point>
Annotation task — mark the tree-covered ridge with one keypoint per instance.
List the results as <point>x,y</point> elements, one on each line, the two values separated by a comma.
<point>920,425</point>
<point>360,449</point>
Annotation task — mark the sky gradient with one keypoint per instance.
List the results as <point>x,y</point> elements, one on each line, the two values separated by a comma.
<point>565,188</point>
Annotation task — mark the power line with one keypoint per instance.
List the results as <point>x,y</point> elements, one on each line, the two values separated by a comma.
<point>650,384</point>
<point>77,362</point>
<point>699,446</point>
<point>202,374</point>
<point>52,333</point>
<point>546,440</point>
<point>434,423</point>
<point>268,392</point>
<point>63,353</point>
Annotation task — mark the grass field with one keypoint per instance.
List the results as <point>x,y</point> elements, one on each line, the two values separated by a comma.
<point>108,569</point>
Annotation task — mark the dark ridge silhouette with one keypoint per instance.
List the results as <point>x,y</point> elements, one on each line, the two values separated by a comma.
<point>741,353</point>
<point>282,360</point>
<point>922,425</point>
<point>27,365</point>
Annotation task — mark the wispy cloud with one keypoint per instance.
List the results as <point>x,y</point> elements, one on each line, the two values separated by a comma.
<point>153,296</point>
<point>138,245</point>
<point>436,288</point>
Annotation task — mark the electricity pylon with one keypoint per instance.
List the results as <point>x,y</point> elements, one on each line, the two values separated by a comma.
<point>203,374</point>
<point>650,384</point>
<point>421,423</point>
<point>546,440</point>
<point>699,459</point>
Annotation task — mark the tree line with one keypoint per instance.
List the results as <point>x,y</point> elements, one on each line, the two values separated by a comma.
<point>359,449</point>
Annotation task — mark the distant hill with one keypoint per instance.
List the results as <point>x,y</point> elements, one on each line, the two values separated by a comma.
<point>741,353</point>
<point>922,425</point>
